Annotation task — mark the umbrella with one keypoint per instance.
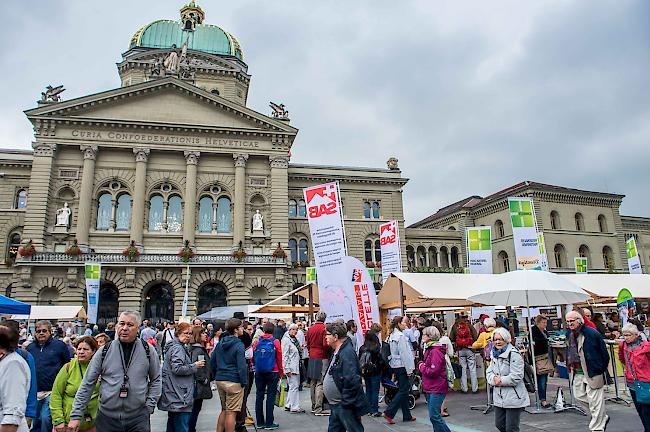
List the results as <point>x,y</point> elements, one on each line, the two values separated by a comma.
<point>530,288</point>
<point>13,307</point>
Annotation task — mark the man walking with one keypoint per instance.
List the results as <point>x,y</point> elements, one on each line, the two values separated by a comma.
<point>587,360</point>
<point>130,382</point>
<point>463,336</point>
<point>352,334</point>
<point>318,362</point>
<point>342,384</point>
<point>50,355</point>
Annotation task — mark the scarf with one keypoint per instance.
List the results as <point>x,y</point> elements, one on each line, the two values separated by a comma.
<point>573,358</point>
<point>634,345</point>
<point>496,352</point>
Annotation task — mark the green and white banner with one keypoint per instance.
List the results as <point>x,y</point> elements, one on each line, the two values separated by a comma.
<point>310,275</point>
<point>543,258</point>
<point>93,272</point>
<point>580,264</point>
<point>524,233</point>
<point>479,249</point>
<point>633,262</point>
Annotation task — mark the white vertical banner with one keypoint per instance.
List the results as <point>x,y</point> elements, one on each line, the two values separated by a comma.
<point>543,258</point>
<point>184,317</point>
<point>479,249</point>
<point>328,243</point>
<point>581,265</point>
<point>633,262</point>
<point>363,296</point>
<point>524,233</point>
<point>391,259</point>
<point>93,272</point>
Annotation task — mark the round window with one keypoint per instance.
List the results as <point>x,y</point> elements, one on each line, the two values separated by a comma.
<point>215,189</point>
<point>166,187</point>
<point>115,185</point>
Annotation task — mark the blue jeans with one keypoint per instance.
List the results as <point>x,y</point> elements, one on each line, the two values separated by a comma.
<point>372,392</point>
<point>401,399</point>
<point>541,386</point>
<point>434,402</point>
<point>43,420</point>
<point>343,420</point>
<point>266,383</point>
<point>178,421</point>
<point>196,409</point>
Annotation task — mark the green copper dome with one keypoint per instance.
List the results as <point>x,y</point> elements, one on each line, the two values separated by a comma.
<point>202,37</point>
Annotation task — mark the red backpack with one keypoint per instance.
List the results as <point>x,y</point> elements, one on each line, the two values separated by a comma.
<point>463,336</point>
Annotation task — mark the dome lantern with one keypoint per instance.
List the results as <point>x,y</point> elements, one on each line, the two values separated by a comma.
<point>191,16</point>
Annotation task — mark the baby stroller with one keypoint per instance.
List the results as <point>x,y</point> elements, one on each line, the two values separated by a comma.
<point>391,389</point>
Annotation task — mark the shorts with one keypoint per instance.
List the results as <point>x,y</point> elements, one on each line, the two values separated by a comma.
<point>231,395</point>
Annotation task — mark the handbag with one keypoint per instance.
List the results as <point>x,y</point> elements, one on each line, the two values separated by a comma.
<point>281,393</point>
<point>543,364</point>
<point>641,388</point>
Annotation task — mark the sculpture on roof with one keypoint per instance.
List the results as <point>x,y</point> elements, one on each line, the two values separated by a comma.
<point>173,60</point>
<point>392,163</point>
<point>51,94</point>
<point>279,111</point>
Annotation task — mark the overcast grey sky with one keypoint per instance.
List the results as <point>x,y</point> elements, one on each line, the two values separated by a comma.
<point>471,96</point>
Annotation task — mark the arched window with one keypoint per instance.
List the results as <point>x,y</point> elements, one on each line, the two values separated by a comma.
<point>498,229</point>
<point>375,210</point>
<point>156,213</point>
<point>293,208</point>
<point>377,250</point>
<point>555,220</point>
<point>224,215</point>
<point>259,295</point>
<point>504,262</point>
<point>372,250</point>
<point>21,199</point>
<point>303,251</point>
<point>560,256</point>
<point>123,213</point>
<point>444,257</point>
<point>209,296</point>
<point>293,250</point>
<point>366,210</point>
<point>302,208</point>
<point>205,214</point>
<point>108,306</point>
<point>451,228</point>
<point>159,302</point>
<point>410,256</point>
<point>433,256</point>
<point>583,252</point>
<point>14,244</point>
<point>367,247</point>
<point>175,214</point>
<point>602,223</point>
<point>454,257</point>
<point>422,256</point>
<point>104,209</point>
<point>580,222</point>
<point>48,296</point>
<point>608,258</point>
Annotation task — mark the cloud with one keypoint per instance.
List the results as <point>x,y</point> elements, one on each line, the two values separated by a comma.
<point>471,96</point>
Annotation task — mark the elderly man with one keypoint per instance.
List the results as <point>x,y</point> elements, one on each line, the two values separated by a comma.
<point>587,360</point>
<point>318,362</point>
<point>129,372</point>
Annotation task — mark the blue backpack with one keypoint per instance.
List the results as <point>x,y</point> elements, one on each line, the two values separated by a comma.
<point>264,355</point>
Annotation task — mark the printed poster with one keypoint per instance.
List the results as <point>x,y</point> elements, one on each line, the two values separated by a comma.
<point>580,264</point>
<point>542,251</point>
<point>633,262</point>
<point>93,273</point>
<point>391,260</point>
<point>361,292</point>
<point>479,249</point>
<point>524,233</point>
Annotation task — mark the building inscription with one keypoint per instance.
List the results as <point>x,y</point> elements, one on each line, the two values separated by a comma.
<point>164,139</point>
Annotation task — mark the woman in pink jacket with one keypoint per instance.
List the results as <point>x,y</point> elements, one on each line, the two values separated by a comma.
<point>434,376</point>
<point>634,353</point>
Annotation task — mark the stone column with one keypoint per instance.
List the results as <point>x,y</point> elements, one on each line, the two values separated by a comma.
<point>279,194</point>
<point>239,216</point>
<point>39,191</point>
<point>189,210</point>
<point>139,190</point>
<point>86,195</point>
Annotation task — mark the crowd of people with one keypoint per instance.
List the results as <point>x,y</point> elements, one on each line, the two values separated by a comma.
<point>68,379</point>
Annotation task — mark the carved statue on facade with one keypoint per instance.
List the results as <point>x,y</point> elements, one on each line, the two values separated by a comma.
<point>158,66</point>
<point>279,111</point>
<point>258,221</point>
<point>63,216</point>
<point>52,94</point>
<point>173,60</point>
<point>392,163</point>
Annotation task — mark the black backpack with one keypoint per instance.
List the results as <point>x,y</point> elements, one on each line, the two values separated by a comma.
<point>385,351</point>
<point>529,375</point>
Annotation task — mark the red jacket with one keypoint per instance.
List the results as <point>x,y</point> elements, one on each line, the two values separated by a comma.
<point>640,359</point>
<point>278,353</point>
<point>316,343</point>
<point>588,323</point>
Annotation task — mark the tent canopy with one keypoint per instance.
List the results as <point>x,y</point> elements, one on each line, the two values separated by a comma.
<point>53,313</point>
<point>249,311</point>
<point>278,306</point>
<point>13,307</point>
<point>607,286</point>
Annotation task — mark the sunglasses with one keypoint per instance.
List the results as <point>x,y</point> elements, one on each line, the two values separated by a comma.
<point>42,331</point>
<point>571,320</point>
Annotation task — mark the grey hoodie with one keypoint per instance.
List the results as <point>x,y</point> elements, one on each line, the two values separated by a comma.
<point>177,379</point>
<point>144,383</point>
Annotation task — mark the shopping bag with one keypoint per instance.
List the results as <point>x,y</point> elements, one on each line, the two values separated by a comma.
<point>281,394</point>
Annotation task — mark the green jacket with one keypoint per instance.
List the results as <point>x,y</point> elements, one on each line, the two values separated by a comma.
<point>64,390</point>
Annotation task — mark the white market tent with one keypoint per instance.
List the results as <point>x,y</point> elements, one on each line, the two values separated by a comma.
<point>606,286</point>
<point>249,311</point>
<point>54,313</point>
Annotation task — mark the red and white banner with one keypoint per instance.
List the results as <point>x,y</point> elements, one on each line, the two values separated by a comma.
<point>328,244</point>
<point>365,309</point>
<point>391,260</point>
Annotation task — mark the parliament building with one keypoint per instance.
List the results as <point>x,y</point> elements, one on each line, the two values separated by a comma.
<point>171,179</point>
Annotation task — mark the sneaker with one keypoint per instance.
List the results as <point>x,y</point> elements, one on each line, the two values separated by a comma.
<point>249,421</point>
<point>412,419</point>
<point>286,408</point>
<point>272,426</point>
<point>377,414</point>
<point>322,413</point>
<point>297,411</point>
<point>388,419</point>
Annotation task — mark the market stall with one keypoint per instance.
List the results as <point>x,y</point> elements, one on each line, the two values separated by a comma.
<point>10,307</point>
<point>53,313</point>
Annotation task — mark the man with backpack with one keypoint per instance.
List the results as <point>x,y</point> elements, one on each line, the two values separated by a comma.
<point>130,382</point>
<point>267,358</point>
<point>463,335</point>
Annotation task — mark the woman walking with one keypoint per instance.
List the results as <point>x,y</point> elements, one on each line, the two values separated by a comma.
<point>15,379</point>
<point>66,385</point>
<point>402,364</point>
<point>634,353</point>
<point>434,376</point>
<point>202,377</point>
<point>506,375</point>
<point>178,380</point>
<point>543,364</point>
<point>372,366</point>
<point>291,357</point>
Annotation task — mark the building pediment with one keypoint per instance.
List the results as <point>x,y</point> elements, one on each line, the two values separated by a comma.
<point>169,103</point>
